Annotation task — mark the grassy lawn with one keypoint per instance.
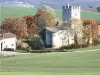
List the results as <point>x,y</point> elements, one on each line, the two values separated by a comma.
<point>91,48</point>
<point>21,11</point>
<point>73,63</point>
<point>82,49</point>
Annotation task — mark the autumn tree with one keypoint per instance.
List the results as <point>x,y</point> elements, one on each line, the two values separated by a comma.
<point>42,20</point>
<point>31,24</point>
<point>51,14</point>
<point>17,26</point>
<point>90,31</point>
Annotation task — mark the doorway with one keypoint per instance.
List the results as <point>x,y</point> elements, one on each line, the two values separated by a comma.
<point>1,47</point>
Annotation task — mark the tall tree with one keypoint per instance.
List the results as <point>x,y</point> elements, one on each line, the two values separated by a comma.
<point>43,20</point>
<point>90,31</point>
<point>51,13</point>
<point>17,26</point>
<point>31,24</point>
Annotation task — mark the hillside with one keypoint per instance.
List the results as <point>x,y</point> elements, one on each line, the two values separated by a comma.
<point>21,11</point>
<point>52,3</point>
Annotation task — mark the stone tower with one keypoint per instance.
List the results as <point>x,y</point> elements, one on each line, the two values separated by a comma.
<point>70,12</point>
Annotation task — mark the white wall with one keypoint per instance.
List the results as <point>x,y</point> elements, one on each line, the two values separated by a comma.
<point>62,38</point>
<point>75,12</point>
<point>70,12</point>
<point>0,45</point>
<point>8,43</point>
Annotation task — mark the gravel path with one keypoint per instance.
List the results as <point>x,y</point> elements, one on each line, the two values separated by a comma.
<point>8,53</point>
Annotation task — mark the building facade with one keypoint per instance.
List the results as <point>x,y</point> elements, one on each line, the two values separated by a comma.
<point>70,12</point>
<point>56,37</point>
<point>62,38</point>
<point>7,41</point>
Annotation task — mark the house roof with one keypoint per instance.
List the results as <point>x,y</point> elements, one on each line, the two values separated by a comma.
<point>7,35</point>
<point>52,29</point>
<point>55,29</point>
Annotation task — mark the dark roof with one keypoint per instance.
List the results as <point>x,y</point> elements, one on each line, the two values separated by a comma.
<point>7,35</point>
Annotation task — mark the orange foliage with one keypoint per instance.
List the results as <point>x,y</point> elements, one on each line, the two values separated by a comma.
<point>90,30</point>
<point>45,16</point>
<point>31,24</point>
<point>15,25</point>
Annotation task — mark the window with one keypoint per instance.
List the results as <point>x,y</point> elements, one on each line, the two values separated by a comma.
<point>12,44</point>
<point>6,46</point>
<point>75,14</point>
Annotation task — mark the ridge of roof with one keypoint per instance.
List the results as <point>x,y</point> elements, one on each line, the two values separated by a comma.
<point>6,35</point>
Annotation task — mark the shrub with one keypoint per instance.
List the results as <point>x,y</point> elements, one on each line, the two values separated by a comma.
<point>46,50</point>
<point>24,45</point>
<point>85,45</point>
<point>36,42</point>
<point>70,47</point>
<point>18,44</point>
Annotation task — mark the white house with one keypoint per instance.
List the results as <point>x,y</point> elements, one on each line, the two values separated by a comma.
<point>62,38</point>
<point>7,41</point>
<point>56,37</point>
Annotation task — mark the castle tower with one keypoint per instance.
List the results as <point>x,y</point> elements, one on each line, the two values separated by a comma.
<point>70,12</point>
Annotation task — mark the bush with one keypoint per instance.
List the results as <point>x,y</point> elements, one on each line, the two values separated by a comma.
<point>19,44</point>
<point>46,50</point>
<point>24,45</point>
<point>36,42</point>
<point>70,47</point>
<point>85,45</point>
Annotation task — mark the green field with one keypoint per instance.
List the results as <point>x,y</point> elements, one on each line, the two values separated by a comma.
<point>21,11</point>
<point>71,63</point>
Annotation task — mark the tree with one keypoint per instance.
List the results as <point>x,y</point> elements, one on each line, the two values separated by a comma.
<point>31,25</point>
<point>48,10</point>
<point>36,42</point>
<point>51,14</point>
<point>90,31</point>
<point>98,9</point>
<point>76,25</point>
<point>17,26</point>
<point>43,20</point>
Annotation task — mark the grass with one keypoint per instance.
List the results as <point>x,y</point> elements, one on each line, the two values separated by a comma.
<point>73,63</point>
<point>81,49</point>
<point>91,48</point>
<point>21,11</point>
<point>43,73</point>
